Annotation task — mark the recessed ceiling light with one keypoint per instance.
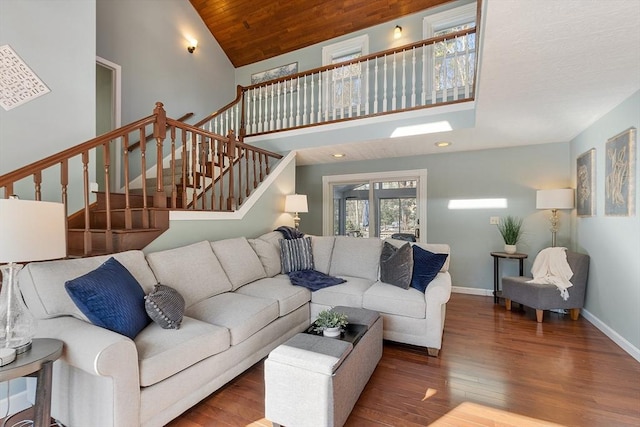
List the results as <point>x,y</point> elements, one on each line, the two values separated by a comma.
<point>443,144</point>
<point>338,155</point>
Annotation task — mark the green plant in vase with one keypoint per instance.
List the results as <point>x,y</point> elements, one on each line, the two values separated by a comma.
<point>510,227</point>
<point>330,322</point>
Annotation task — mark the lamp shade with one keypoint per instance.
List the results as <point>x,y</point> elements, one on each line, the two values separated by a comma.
<point>555,199</point>
<point>31,230</point>
<point>296,203</point>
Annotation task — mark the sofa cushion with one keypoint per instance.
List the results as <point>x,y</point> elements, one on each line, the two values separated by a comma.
<point>163,352</point>
<point>165,306</point>
<point>426,266</point>
<point>192,270</point>
<point>348,293</point>
<point>278,288</point>
<point>42,283</point>
<point>239,261</point>
<point>243,315</point>
<point>396,265</point>
<point>393,300</point>
<point>296,254</point>
<point>356,257</point>
<point>322,247</point>
<point>111,298</point>
<point>269,256</point>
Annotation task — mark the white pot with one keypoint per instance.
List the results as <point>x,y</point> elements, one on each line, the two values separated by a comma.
<point>510,249</point>
<point>331,332</point>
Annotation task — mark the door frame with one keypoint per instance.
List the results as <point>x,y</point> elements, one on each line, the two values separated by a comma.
<point>327,194</point>
<point>116,84</point>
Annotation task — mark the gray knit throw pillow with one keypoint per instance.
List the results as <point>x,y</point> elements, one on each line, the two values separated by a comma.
<point>165,306</point>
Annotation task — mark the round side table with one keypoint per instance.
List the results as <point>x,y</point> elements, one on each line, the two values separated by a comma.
<point>36,362</point>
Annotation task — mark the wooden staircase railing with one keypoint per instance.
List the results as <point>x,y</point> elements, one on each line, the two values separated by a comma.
<point>433,72</point>
<point>207,171</point>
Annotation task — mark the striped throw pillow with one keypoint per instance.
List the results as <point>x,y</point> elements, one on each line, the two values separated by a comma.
<point>296,254</point>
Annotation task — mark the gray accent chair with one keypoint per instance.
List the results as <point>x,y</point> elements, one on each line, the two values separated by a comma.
<point>545,297</point>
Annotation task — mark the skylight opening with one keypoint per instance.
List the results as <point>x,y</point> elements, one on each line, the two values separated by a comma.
<point>477,204</point>
<point>422,129</point>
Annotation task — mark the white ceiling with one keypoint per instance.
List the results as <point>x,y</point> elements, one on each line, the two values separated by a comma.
<point>548,69</point>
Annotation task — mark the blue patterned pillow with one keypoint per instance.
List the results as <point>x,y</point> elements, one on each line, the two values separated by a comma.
<point>111,298</point>
<point>426,266</point>
<point>296,254</point>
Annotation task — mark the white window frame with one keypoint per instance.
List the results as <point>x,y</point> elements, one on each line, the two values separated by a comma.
<point>328,181</point>
<point>330,52</point>
<point>442,21</point>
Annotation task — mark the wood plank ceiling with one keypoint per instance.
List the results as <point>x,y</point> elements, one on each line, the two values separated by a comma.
<point>250,31</point>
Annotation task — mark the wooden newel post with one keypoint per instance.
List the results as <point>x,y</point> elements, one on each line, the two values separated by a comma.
<point>231,155</point>
<point>159,133</point>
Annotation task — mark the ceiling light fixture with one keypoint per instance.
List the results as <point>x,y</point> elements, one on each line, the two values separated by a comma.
<point>442,144</point>
<point>338,155</point>
<point>397,32</point>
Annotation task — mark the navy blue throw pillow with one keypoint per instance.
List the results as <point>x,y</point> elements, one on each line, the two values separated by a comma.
<point>111,298</point>
<point>426,266</point>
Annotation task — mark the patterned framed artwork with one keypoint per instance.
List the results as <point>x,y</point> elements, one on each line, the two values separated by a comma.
<point>274,73</point>
<point>620,165</point>
<point>586,183</point>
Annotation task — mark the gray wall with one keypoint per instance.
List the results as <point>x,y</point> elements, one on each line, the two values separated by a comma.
<point>56,39</point>
<point>613,292</point>
<point>266,215</point>
<point>513,173</point>
<point>148,38</point>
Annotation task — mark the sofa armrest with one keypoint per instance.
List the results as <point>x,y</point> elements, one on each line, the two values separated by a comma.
<point>103,353</point>
<point>436,296</point>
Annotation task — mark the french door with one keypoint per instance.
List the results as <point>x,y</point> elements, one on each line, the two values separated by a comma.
<point>376,205</point>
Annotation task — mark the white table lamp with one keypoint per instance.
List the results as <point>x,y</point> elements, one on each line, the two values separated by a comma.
<point>295,203</point>
<point>562,198</point>
<point>29,231</point>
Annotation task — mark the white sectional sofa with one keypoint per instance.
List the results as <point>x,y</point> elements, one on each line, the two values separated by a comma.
<point>238,308</point>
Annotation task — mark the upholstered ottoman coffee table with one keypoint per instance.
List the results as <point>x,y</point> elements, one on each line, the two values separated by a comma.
<point>312,380</point>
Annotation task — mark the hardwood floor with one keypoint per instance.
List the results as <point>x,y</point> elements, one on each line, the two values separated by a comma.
<point>561,371</point>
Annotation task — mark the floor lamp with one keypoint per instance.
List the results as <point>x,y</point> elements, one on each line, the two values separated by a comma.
<point>562,198</point>
<point>29,231</point>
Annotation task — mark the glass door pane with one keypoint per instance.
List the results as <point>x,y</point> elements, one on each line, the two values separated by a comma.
<point>397,208</point>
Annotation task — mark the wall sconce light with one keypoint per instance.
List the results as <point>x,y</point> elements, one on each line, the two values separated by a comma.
<point>193,43</point>
<point>295,203</point>
<point>554,200</point>
<point>397,32</point>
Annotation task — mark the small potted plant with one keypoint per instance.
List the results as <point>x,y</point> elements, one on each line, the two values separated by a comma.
<point>330,322</point>
<point>510,228</point>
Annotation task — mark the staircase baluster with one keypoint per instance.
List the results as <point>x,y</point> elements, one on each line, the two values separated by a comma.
<point>413,77</point>
<point>246,171</point>
<point>202,165</point>
<point>230,155</point>
<point>435,73</point>
<point>285,118</point>
<point>64,184</point>
<point>37,181</point>
<point>424,74</point>
<point>349,103</point>
<point>174,194</point>
<point>260,157</point>
<point>327,76</point>
<point>215,148</point>
<point>393,84</point>
<point>320,97</point>
<point>312,102</point>
<point>366,88</point>
<point>375,87</point>
<point>467,67</point>
<point>143,160</point>
<point>304,103</point>
<point>278,117</point>
<point>291,122</point>
<point>254,128</point>
<point>194,170</point>
<point>342,92</point>
<point>108,234</point>
<point>265,127</point>
<point>456,69</point>
<point>255,175</point>
<point>239,155</point>
<point>272,110</point>
<point>384,84</point>
<point>87,216</point>
<point>445,75</point>
<point>298,101</point>
<point>184,178</point>
<point>127,200</point>
<point>259,127</point>
<point>404,80</point>
<point>221,148</point>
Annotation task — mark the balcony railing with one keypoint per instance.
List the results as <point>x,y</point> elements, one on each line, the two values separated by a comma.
<point>433,72</point>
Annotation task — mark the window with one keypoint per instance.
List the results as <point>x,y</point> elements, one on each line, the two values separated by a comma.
<point>452,61</point>
<point>376,204</point>
<point>345,85</point>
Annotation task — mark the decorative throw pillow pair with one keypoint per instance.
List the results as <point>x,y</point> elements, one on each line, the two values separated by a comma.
<point>409,266</point>
<point>112,298</point>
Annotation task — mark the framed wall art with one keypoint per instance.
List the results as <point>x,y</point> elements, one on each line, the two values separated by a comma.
<point>274,73</point>
<point>619,185</point>
<point>586,183</point>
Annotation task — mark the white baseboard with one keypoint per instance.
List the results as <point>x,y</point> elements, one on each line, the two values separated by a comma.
<point>605,329</point>
<point>613,335</point>
<point>16,402</point>
<point>472,291</point>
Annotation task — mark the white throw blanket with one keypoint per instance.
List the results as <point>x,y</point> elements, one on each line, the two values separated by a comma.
<point>551,267</point>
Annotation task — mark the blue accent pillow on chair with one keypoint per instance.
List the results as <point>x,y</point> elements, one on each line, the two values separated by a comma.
<point>426,266</point>
<point>111,298</point>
